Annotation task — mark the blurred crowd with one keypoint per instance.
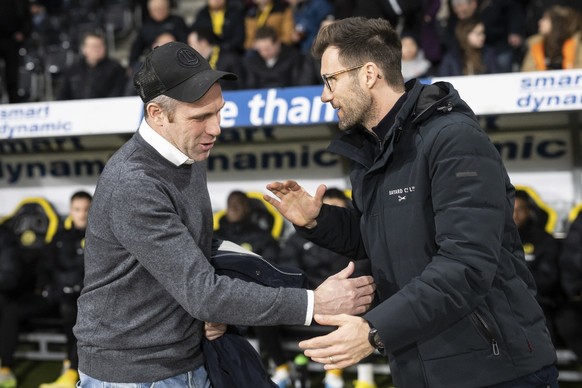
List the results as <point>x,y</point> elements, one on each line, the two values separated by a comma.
<point>64,49</point>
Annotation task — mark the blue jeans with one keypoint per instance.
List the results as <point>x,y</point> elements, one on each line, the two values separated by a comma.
<point>198,378</point>
<point>546,377</point>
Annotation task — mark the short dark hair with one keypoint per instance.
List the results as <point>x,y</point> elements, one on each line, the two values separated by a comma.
<point>335,193</point>
<point>206,33</point>
<point>360,40</point>
<point>81,195</point>
<point>266,32</point>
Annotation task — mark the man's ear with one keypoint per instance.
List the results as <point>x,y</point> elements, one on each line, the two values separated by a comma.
<point>372,74</point>
<point>155,113</point>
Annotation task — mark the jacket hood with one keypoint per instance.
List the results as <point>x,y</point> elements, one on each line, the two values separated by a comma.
<point>426,100</point>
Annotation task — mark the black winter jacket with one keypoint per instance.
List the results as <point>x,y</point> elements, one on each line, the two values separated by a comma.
<point>80,81</point>
<point>434,207</point>
<point>571,261</point>
<point>66,255</point>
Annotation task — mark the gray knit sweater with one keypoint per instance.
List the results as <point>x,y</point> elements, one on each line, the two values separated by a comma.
<point>148,283</point>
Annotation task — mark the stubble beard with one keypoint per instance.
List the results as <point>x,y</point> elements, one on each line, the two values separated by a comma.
<point>357,109</point>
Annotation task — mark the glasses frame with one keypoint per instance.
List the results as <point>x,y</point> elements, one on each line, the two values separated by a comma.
<point>326,77</point>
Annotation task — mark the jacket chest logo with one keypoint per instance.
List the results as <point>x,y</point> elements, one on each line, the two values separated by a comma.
<point>401,192</point>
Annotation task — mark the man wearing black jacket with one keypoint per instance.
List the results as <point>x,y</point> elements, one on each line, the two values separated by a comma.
<point>94,75</point>
<point>433,213</point>
<point>541,255</point>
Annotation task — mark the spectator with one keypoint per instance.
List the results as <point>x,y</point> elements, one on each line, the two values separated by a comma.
<point>66,253</point>
<point>414,64</point>
<point>94,75</point>
<point>271,64</point>
<point>160,20</point>
<point>20,301</point>
<point>163,38</point>
<point>273,13</point>
<point>430,36</point>
<point>569,318</point>
<point>308,16</point>
<point>238,227</point>
<point>504,22</point>
<point>10,270</point>
<point>398,12</point>
<point>205,42</point>
<point>225,18</point>
<point>15,24</point>
<point>541,255</point>
<point>558,42</point>
<point>469,56</point>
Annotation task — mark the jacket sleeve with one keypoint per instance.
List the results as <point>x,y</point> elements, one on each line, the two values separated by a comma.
<point>338,230</point>
<point>470,207</point>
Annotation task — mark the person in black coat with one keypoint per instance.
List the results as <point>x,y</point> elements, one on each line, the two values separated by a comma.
<point>541,254</point>
<point>237,226</point>
<point>271,64</point>
<point>432,211</point>
<point>232,31</point>
<point>10,270</point>
<point>569,318</point>
<point>66,255</point>
<point>94,75</point>
<point>160,20</point>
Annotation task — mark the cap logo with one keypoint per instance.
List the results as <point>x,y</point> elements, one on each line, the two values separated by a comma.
<point>188,58</point>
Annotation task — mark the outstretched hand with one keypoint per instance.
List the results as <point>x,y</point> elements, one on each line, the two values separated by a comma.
<point>296,204</point>
<point>343,347</point>
<point>339,294</point>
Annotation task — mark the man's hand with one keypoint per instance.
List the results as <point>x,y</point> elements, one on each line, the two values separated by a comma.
<point>343,347</point>
<point>213,331</point>
<point>296,204</point>
<point>340,295</point>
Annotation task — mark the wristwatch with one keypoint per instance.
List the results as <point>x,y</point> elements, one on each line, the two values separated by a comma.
<point>374,339</point>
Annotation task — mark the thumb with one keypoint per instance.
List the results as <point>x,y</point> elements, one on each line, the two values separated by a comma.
<point>346,272</point>
<point>320,192</point>
<point>328,320</point>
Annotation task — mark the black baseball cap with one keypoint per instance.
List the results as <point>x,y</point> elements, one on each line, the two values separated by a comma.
<point>178,71</point>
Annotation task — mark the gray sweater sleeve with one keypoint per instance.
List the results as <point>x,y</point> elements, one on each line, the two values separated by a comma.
<point>146,223</point>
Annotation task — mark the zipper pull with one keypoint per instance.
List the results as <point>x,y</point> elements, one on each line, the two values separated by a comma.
<point>446,108</point>
<point>495,347</point>
<point>398,133</point>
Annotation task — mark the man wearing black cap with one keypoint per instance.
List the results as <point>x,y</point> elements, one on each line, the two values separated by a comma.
<point>149,287</point>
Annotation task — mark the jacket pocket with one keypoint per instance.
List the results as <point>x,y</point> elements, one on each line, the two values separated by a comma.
<point>484,329</point>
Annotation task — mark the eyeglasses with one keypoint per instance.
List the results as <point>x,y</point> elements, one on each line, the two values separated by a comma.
<point>327,77</point>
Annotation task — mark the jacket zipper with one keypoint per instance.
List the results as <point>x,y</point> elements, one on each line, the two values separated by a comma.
<point>484,329</point>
